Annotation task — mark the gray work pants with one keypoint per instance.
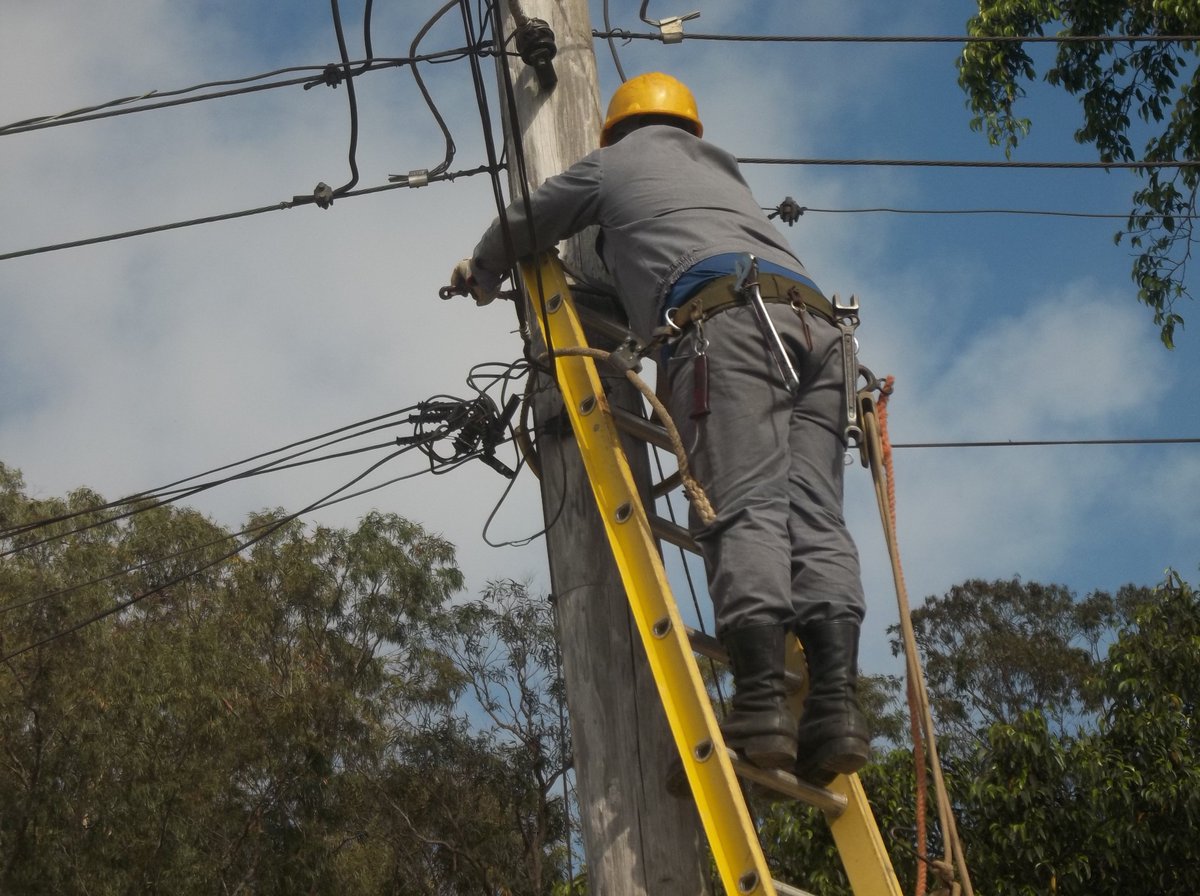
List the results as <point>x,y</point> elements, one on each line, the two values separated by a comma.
<point>772,466</point>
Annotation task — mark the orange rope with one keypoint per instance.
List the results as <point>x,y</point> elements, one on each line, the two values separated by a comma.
<point>924,744</point>
<point>885,393</point>
<point>913,707</point>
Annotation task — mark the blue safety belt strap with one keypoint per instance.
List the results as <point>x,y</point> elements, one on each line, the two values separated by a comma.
<point>705,271</point>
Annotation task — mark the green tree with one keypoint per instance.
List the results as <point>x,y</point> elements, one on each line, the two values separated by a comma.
<point>1086,781</point>
<point>270,725</point>
<point>992,650</point>
<point>1115,808</point>
<point>1139,101</point>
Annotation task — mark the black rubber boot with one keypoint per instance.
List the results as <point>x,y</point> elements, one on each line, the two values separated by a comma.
<point>832,738</point>
<point>760,726</point>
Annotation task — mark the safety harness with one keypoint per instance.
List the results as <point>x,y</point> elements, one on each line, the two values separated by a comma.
<point>748,286</point>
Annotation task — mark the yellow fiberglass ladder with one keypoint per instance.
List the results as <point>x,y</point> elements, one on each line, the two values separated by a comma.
<point>711,769</point>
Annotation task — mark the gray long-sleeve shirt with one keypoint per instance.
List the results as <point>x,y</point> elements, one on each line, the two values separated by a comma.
<point>664,200</point>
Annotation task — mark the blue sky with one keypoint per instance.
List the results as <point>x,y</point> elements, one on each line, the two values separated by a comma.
<point>133,363</point>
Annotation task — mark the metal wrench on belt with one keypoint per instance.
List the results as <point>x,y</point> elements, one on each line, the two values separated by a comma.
<point>847,321</point>
<point>746,272</point>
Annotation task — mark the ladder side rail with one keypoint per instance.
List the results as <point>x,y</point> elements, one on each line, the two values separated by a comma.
<point>722,809</point>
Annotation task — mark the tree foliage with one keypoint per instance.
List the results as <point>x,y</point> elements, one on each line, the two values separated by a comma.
<point>1051,643</point>
<point>286,722</point>
<point>1074,763</point>
<point>1140,101</point>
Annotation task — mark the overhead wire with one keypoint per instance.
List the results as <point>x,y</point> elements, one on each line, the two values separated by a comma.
<point>950,163</point>
<point>159,491</point>
<point>531,367</point>
<point>1031,443</point>
<point>351,98</point>
<point>183,552</point>
<point>147,504</point>
<point>125,604</point>
<point>333,76</point>
<point>437,115</point>
<point>624,34</point>
<point>422,442</point>
<point>981,211</point>
<point>173,492</point>
<point>612,46</point>
<point>228,216</point>
<point>124,105</point>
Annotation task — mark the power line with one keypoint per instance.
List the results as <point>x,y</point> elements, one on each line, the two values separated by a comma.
<point>623,34</point>
<point>1013,443</point>
<point>979,211</point>
<point>351,99</point>
<point>949,163</point>
<point>158,589</point>
<point>125,105</point>
<point>141,505</point>
<point>228,216</point>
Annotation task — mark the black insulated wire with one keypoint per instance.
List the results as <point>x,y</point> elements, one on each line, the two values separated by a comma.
<point>229,216</point>
<point>437,115</point>
<point>348,76</point>
<point>907,39</point>
<point>122,605</point>
<point>124,106</point>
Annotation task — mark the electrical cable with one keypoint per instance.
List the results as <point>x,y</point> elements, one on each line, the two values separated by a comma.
<point>173,492</point>
<point>228,216</point>
<point>612,46</point>
<point>935,163</point>
<point>904,38</point>
<point>367,48</point>
<point>485,118</point>
<point>194,548</point>
<point>441,122</point>
<point>348,76</point>
<point>980,211</point>
<point>174,487</point>
<point>108,110</point>
<point>509,97</point>
<point>421,442</point>
<point>129,602</point>
<point>143,507</point>
<point>1029,443</point>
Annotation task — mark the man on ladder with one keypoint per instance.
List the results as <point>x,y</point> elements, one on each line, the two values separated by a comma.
<point>758,371</point>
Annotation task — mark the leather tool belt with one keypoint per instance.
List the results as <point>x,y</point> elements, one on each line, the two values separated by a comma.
<point>721,294</point>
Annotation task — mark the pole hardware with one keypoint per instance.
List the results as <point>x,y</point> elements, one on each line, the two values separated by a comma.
<point>536,47</point>
<point>670,29</point>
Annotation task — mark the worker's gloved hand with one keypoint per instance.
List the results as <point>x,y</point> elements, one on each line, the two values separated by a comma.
<point>463,279</point>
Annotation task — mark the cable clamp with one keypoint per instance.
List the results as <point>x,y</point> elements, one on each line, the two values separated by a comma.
<point>418,177</point>
<point>323,195</point>
<point>331,76</point>
<point>670,29</point>
<point>789,211</point>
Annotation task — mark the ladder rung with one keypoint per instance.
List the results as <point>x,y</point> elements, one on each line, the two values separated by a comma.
<point>648,431</point>
<point>788,890</point>
<point>672,533</point>
<point>641,428</point>
<point>789,785</point>
<point>667,486</point>
<point>706,645</point>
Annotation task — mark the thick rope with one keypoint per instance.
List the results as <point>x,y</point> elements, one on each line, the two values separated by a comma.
<point>954,857</point>
<point>694,491</point>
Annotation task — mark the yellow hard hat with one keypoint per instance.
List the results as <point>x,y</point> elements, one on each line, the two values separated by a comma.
<point>651,94</point>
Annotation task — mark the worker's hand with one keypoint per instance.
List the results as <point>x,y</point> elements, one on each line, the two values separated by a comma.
<point>462,279</point>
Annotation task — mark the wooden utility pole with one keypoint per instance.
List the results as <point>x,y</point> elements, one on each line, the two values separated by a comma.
<point>639,841</point>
